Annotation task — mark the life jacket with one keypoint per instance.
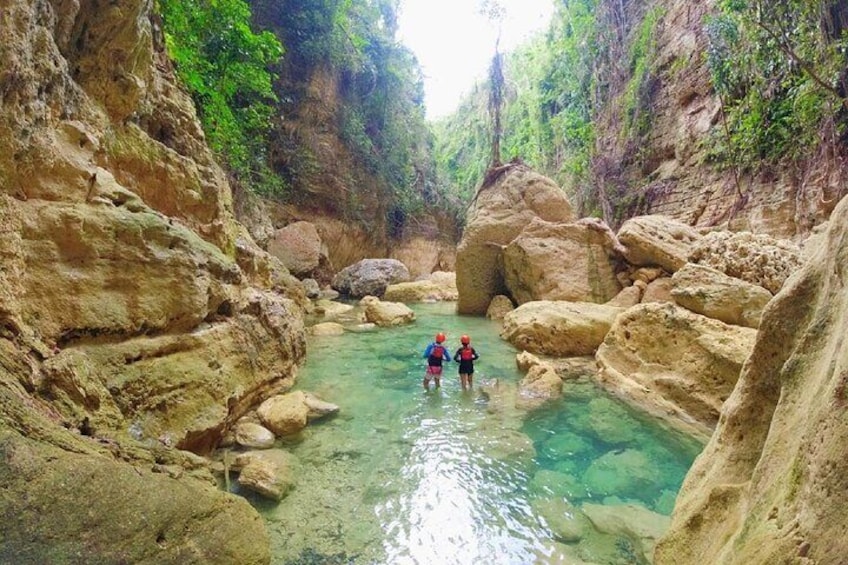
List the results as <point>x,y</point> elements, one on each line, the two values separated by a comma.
<point>437,354</point>
<point>466,354</point>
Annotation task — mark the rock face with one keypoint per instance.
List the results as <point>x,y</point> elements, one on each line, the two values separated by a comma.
<point>132,306</point>
<point>756,258</point>
<point>438,286</point>
<point>712,293</point>
<point>301,250</point>
<point>657,241</point>
<point>770,486</point>
<point>370,277</point>
<point>501,210</point>
<point>563,329</point>
<point>674,363</point>
<point>571,262</point>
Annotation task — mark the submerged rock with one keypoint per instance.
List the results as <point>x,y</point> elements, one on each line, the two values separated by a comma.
<point>269,474</point>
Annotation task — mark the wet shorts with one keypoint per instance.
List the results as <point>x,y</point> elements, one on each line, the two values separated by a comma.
<point>433,371</point>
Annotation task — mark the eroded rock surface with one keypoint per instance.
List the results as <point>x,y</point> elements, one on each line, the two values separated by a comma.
<point>770,486</point>
<point>657,241</point>
<point>500,211</point>
<point>370,277</point>
<point>710,292</point>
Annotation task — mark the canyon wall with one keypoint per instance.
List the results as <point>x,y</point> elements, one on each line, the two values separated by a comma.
<point>138,319</point>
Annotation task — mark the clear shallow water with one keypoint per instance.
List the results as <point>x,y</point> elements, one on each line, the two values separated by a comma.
<point>451,477</point>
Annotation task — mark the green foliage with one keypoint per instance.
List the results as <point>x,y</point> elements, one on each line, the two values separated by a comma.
<point>547,114</point>
<point>224,65</point>
<point>779,69</point>
<point>641,57</point>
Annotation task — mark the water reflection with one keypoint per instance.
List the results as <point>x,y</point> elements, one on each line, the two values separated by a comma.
<point>451,477</point>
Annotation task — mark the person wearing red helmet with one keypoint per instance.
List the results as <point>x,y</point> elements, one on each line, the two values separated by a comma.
<point>435,354</point>
<point>465,356</point>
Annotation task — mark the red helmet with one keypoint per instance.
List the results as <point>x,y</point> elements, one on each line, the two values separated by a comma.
<point>465,340</point>
<point>440,337</point>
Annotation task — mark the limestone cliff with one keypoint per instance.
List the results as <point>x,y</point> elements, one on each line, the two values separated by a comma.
<point>771,484</point>
<point>666,170</point>
<point>138,320</point>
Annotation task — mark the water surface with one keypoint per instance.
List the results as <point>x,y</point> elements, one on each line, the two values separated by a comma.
<point>451,477</point>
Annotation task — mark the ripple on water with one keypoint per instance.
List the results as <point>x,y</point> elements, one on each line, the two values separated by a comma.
<point>453,477</point>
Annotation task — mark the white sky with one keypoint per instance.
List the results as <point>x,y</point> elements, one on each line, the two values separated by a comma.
<point>454,43</point>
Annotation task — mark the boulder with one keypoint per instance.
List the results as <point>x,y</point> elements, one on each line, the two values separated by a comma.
<point>636,523</point>
<point>284,414</point>
<point>659,290</point>
<point>268,474</point>
<point>370,277</point>
<point>560,329</point>
<point>252,435</point>
<point>318,408</point>
<point>499,307</point>
<point>327,329</point>
<point>770,486</point>
<point>540,384</point>
<point>330,309</point>
<point>567,522</point>
<point>674,363</point>
<point>510,198</point>
<point>756,258</point>
<point>526,360</point>
<point>657,241</point>
<point>386,314</point>
<point>311,288</point>
<point>299,247</point>
<point>710,292</point>
<point>559,261</point>
<point>438,286</point>
<point>623,473</point>
<point>630,296</point>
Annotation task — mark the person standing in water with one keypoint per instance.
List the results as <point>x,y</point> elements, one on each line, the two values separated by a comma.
<point>435,354</point>
<point>465,356</point>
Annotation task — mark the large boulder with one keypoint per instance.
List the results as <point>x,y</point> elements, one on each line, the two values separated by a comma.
<point>710,292</point>
<point>771,485</point>
<point>438,286</point>
<point>657,241</point>
<point>386,314</point>
<point>300,248</point>
<point>370,277</point>
<point>674,363</point>
<point>511,198</point>
<point>563,329</point>
<point>756,258</point>
<point>556,261</point>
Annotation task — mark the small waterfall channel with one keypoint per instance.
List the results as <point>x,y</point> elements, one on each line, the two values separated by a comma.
<point>451,477</point>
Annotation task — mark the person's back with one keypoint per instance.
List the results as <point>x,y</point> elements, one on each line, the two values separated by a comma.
<point>436,354</point>
<point>465,356</point>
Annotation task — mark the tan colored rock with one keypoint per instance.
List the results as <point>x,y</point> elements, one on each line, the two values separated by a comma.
<point>756,258</point>
<point>647,274</point>
<point>770,485</point>
<point>710,292</point>
<point>330,309</point>
<point>252,435</point>
<point>439,286</point>
<point>526,360</point>
<point>499,307</point>
<point>657,241</point>
<point>318,408</point>
<point>674,363</point>
<point>426,254</point>
<point>268,474</point>
<point>300,248</point>
<point>630,296</point>
<point>560,329</point>
<point>388,313</point>
<point>659,290</point>
<point>558,261</point>
<point>540,384</point>
<point>499,213</point>
<point>327,329</point>
<point>284,414</point>
<point>631,521</point>
<point>370,277</point>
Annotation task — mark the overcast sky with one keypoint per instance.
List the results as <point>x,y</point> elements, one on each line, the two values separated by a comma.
<point>454,43</point>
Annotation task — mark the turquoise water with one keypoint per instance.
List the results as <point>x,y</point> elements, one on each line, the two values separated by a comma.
<point>451,477</point>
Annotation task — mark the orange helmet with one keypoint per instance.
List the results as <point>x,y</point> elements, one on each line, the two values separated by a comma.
<point>440,337</point>
<point>465,340</point>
